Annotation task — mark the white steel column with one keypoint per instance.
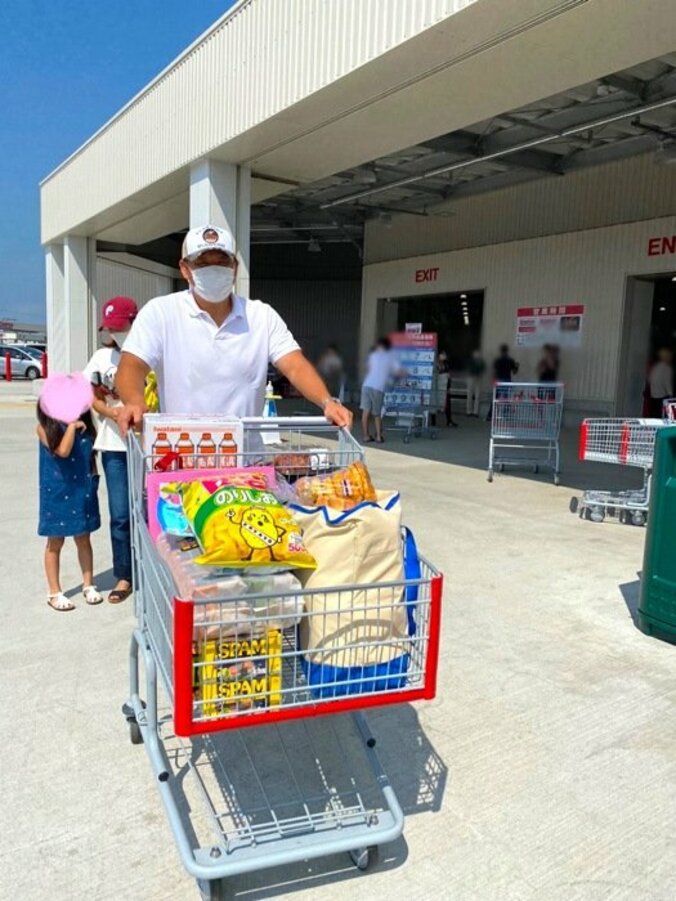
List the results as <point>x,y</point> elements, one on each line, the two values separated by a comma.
<point>76,302</point>
<point>220,194</point>
<point>56,340</point>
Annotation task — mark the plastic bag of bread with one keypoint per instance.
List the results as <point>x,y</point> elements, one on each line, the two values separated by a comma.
<point>341,490</point>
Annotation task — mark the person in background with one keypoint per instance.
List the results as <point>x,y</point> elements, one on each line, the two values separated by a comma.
<point>444,389</point>
<point>382,368</point>
<point>504,366</point>
<point>210,347</point>
<point>69,504</point>
<point>475,369</point>
<point>548,367</point>
<point>117,318</point>
<point>330,367</point>
<point>660,381</point>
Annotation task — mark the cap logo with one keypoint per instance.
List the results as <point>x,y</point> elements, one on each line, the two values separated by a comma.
<point>210,235</point>
<point>110,309</point>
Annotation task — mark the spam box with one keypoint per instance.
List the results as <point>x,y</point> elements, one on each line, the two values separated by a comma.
<point>233,675</point>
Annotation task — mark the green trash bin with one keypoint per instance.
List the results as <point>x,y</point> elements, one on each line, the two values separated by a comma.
<point>657,604</point>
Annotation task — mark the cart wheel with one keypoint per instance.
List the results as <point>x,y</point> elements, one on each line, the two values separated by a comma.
<point>212,889</point>
<point>490,475</point>
<point>597,515</point>
<point>135,733</point>
<point>536,469</point>
<point>557,479</point>
<point>574,505</point>
<point>638,518</point>
<point>365,858</point>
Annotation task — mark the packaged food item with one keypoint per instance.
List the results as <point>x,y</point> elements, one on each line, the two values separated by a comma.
<point>341,490</point>
<point>236,601</point>
<point>165,499</point>
<point>237,674</point>
<point>290,465</point>
<point>226,433</point>
<point>243,527</point>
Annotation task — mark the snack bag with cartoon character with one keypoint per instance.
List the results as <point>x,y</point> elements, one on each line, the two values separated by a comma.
<point>243,527</point>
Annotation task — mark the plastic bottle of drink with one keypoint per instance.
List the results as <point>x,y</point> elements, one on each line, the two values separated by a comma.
<point>227,450</point>
<point>206,452</point>
<point>162,445</point>
<point>186,449</point>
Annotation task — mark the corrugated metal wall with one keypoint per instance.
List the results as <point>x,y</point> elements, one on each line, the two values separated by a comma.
<point>585,267</point>
<point>119,279</point>
<point>265,56</point>
<point>618,192</point>
<point>317,313</point>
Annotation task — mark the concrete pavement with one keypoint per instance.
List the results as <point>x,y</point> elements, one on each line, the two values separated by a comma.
<point>543,771</point>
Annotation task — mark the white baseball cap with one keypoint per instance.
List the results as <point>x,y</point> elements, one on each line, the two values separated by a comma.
<point>207,237</point>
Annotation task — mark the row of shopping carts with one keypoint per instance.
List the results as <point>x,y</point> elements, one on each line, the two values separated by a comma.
<point>525,431</point>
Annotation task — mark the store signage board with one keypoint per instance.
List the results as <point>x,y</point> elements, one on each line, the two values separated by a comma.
<point>561,325</point>
<point>417,356</point>
<point>413,328</point>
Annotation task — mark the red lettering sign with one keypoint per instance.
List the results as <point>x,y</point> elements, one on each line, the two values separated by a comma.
<point>661,246</point>
<point>427,275</point>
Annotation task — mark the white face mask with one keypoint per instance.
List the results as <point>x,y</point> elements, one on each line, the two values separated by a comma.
<point>118,337</point>
<point>213,283</point>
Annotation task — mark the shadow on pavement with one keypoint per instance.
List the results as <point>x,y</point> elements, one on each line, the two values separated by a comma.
<point>307,768</point>
<point>631,595</point>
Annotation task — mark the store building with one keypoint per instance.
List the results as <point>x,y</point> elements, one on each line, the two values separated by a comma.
<point>378,161</point>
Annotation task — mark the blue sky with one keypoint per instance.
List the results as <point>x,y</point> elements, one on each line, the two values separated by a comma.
<point>65,67</point>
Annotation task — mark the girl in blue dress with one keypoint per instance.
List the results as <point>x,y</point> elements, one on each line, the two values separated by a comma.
<point>69,504</point>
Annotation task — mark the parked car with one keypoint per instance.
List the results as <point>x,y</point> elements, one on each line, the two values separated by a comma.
<point>23,364</point>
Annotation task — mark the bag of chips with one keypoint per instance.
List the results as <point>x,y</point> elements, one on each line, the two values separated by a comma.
<point>341,490</point>
<point>242,527</point>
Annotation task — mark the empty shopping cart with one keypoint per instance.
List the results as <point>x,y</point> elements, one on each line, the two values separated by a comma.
<point>623,442</point>
<point>289,789</point>
<point>525,426</point>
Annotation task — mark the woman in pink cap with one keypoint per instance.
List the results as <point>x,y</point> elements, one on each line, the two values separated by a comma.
<point>117,316</point>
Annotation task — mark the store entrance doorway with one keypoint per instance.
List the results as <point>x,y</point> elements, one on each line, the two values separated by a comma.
<point>649,325</point>
<point>456,318</point>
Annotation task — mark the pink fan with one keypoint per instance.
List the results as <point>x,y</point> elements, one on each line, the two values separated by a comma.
<point>66,397</point>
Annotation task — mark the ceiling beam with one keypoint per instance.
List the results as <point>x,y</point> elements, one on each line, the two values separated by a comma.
<point>627,83</point>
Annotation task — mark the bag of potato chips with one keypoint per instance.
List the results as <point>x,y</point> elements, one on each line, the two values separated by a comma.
<point>243,527</point>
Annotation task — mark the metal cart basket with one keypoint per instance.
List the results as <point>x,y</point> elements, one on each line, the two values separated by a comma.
<point>225,665</point>
<point>624,442</point>
<point>526,418</point>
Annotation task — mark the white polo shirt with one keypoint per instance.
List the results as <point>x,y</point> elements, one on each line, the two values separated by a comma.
<point>205,370</point>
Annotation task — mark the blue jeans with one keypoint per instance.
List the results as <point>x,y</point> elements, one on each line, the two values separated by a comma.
<point>117,481</point>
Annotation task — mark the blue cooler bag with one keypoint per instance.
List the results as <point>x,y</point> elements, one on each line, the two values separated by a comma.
<point>357,641</point>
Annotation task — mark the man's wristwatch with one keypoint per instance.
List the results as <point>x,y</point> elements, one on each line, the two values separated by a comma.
<point>330,400</point>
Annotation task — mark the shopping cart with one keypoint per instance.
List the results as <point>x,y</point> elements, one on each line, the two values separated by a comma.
<point>624,442</point>
<point>526,417</point>
<point>270,797</point>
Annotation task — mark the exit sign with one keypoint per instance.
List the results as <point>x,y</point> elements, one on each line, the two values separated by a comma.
<point>427,275</point>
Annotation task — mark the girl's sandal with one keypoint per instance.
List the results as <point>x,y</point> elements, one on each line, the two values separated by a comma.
<point>60,602</point>
<point>91,595</point>
<point>118,595</point>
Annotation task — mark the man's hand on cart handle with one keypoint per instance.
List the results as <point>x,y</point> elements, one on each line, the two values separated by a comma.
<point>338,414</point>
<point>130,416</point>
